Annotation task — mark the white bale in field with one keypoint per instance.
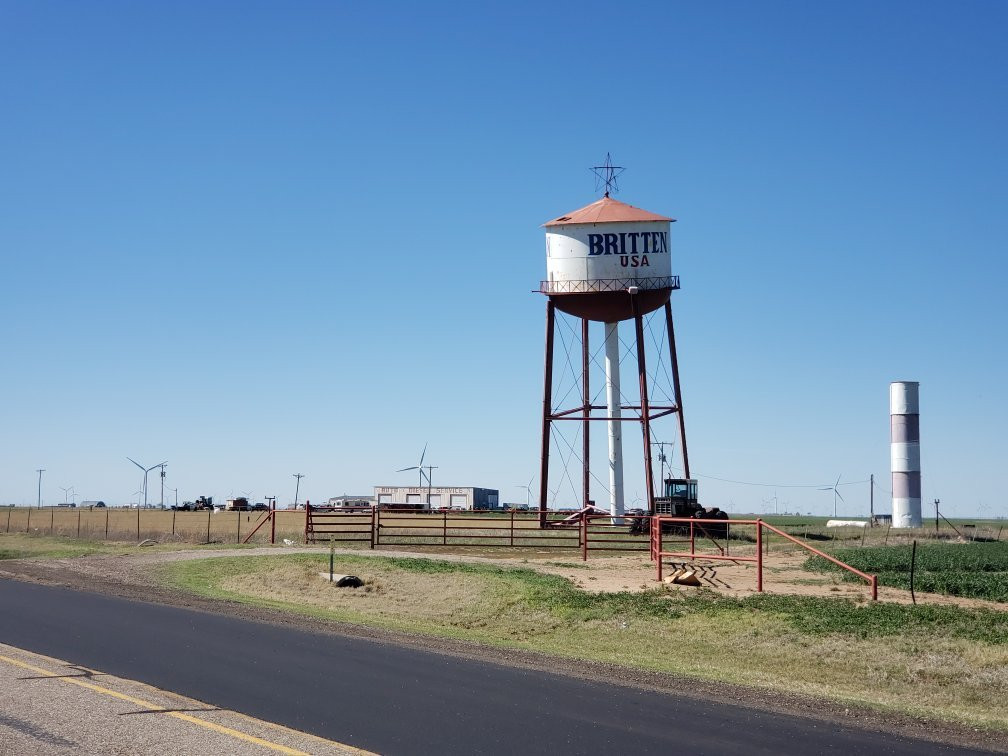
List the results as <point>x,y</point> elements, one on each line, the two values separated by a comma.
<point>846,524</point>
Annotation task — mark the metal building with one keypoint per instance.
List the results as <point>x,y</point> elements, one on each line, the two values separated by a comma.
<point>437,497</point>
<point>904,448</point>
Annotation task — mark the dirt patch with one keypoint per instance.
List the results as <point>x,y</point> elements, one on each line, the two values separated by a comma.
<point>783,572</point>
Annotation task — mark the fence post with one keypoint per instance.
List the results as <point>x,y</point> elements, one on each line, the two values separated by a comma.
<point>28,526</point>
<point>106,523</point>
<point>759,556</point>
<point>377,529</point>
<point>307,517</point>
<point>209,512</point>
<point>52,519</point>
<point>238,537</point>
<point>372,527</point>
<point>11,509</point>
<point>692,539</point>
<point>173,513</point>
<point>584,537</point>
<point>78,523</point>
<point>874,587</point>
<point>913,561</point>
<point>138,521</point>
<point>658,541</point>
<point>444,528</point>
<point>273,522</point>
<point>512,527</point>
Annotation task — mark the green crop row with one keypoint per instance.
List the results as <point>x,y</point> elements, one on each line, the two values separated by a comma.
<point>970,570</point>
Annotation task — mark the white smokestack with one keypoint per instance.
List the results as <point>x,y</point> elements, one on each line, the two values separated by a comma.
<point>904,448</point>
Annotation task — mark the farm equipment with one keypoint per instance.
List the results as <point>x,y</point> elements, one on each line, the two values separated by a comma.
<point>203,502</point>
<point>680,500</point>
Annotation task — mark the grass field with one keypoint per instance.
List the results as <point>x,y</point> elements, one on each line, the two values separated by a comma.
<point>935,661</point>
<point>971,570</point>
<point>21,546</point>
<point>132,525</point>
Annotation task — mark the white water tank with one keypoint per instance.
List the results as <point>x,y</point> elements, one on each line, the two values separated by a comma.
<point>595,254</point>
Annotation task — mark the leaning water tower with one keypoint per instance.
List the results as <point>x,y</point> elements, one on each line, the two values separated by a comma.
<point>609,262</point>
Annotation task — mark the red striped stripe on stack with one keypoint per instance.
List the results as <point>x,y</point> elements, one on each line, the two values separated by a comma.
<point>904,447</point>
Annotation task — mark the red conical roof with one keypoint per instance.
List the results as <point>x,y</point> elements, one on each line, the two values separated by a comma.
<point>607,210</point>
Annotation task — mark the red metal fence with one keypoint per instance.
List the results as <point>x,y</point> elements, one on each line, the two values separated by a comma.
<point>419,528</point>
<point>403,527</point>
<point>326,524</point>
<point>702,530</point>
<point>696,539</point>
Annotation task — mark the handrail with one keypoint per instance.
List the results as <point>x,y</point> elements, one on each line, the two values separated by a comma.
<point>871,579</point>
<point>657,552</point>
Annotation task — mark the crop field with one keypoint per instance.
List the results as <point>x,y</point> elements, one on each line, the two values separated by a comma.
<point>971,570</point>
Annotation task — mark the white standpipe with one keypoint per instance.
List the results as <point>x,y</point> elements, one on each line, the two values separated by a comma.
<point>612,359</point>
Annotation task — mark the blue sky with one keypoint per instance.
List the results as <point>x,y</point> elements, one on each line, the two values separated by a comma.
<point>259,238</point>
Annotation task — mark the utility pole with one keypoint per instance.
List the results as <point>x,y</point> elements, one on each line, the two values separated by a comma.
<point>40,471</point>
<point>871,500</point>
<point>430,469</point>
<point>662,459</point>
<point>162,484</point>
<point>937,501</point>
<point>297,488</point>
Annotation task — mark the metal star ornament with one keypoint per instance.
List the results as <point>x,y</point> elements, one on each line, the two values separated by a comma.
<point>605,175</point>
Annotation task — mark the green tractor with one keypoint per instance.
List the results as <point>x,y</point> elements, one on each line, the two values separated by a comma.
<point>680,499</point>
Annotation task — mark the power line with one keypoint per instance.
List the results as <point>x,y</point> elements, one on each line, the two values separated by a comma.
<point>778,485</point>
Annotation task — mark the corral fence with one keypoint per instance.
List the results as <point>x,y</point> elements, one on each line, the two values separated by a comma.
<point>383,526</point>
<point>702,533</point>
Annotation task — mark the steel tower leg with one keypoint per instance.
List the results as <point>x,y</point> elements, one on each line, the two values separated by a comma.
<point>547,413</point>
<point>675,385</point>
<point>645,402</point>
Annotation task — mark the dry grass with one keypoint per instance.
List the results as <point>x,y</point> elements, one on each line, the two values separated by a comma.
<point>109,524</point>
<point>942,675</point>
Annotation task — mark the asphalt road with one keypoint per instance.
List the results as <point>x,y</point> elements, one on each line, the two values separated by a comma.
<point>397,700</point>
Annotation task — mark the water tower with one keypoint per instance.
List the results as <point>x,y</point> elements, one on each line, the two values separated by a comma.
<point>609,262</point>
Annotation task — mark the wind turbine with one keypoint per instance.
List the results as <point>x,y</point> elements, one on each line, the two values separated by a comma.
<point>420,466</point>
<point>836,494</point>
<point>528,491</point>
<point>66,493</point>
<point>145,471</point>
